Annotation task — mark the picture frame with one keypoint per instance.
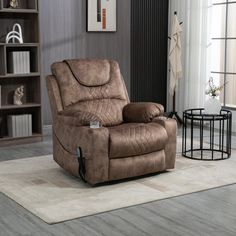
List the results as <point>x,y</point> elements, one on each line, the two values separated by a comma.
<point>101,16</point>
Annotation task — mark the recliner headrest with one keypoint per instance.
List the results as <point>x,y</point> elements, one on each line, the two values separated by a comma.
<point>91,72</point>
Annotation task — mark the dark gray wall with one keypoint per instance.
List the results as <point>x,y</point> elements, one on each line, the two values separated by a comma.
<point>63,35</point>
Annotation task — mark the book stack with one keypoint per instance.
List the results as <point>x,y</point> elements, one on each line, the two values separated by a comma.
<point>19,62</point>
<point>19,125</point>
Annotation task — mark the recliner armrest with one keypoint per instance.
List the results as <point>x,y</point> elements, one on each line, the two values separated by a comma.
<point>76,118</point>
<point>94,144</point>
<point>170,150</point>
<point>143,112</point>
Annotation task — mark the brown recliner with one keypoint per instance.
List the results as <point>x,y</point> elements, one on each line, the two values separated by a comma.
<point>134,140</point>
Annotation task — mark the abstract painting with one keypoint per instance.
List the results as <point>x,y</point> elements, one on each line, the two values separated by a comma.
<point>101,15</point>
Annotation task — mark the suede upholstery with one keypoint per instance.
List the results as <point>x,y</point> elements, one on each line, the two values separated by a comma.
<point>170,148</point>
<point>108,111</point>
<point>90,74</point>
<point>72,91</point>
<point>142,112</point>
<point>137,165</point>
<point>134,139</point>
<point>77,117</point>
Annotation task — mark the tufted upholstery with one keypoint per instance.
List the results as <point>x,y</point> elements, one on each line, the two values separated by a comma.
<point>135,139</point>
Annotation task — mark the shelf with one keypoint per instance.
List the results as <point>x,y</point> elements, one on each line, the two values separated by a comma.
<point>9,141</point>
<point>13,107</point>
<point>36,74</point>
<point>20,44</point>
<point>19,15</point>
<point>7,138</point>
<point>9,10</point>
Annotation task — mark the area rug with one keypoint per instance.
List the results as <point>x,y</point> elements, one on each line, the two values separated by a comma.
<point>44,189</point>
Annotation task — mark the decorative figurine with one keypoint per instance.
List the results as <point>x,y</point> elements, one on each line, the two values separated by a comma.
<point>19,93</point>
<point>14,4</point>
<point>15,34</point>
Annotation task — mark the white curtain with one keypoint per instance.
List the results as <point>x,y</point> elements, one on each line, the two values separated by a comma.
<point>195,15</point>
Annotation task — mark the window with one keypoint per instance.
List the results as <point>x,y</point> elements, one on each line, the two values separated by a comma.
<point>223,49</point>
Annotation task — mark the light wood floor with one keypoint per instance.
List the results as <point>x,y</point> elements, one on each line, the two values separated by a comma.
<point>211,212</point>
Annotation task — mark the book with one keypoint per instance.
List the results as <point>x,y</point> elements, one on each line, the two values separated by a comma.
<point>19,62</point>
<point>11,124</point>
<point>19,125</point>
<point>26,123</point>
<point>30,133</point>
<point>26,61</point>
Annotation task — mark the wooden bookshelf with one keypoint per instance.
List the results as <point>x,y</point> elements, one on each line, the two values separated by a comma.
<point>27,16</point>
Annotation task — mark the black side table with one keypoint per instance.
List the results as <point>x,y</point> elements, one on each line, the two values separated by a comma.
<point>216,146</point>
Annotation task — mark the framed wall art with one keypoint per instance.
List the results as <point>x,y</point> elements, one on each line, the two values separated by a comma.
<point>101,15</point>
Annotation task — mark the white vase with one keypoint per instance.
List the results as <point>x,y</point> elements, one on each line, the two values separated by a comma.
<point>212,106</point>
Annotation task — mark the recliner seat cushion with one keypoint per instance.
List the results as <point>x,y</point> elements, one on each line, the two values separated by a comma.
<point>135,139</point>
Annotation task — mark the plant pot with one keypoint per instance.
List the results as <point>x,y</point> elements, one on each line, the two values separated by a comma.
<point>212,106</point>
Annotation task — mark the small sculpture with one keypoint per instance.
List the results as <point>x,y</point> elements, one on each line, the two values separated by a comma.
<point>15,34</point>
<point>14,4</point>
<point>19,93</point>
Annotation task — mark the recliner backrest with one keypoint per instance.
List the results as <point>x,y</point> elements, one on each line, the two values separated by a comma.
<point>92,85</point>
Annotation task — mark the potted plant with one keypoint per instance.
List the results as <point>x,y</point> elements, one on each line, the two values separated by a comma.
<point>213,105</point>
